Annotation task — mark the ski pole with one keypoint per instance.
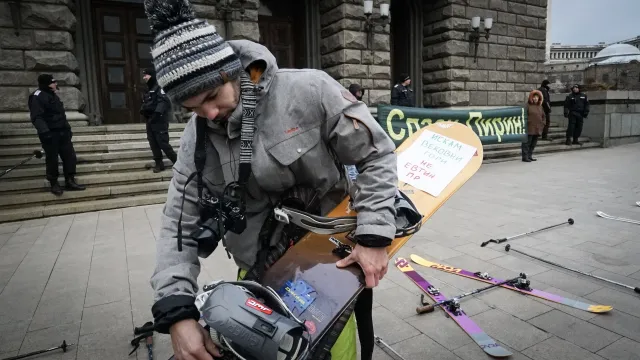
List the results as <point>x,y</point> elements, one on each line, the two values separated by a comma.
<point>63,347</point>
<point>454,301</point>
<point>617,218</point>
<point>149,341</point>
<point>498,241</point>
<point>636,289</point>
<point>36,154</point>
<point>380,341</point>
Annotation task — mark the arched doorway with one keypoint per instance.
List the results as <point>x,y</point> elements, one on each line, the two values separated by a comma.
<point>406,43</point>
<point>290,30</point>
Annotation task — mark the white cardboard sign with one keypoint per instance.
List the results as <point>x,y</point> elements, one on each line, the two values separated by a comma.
<point>432,161</point>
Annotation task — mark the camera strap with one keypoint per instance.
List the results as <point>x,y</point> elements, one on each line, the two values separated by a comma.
<point>249,98</point>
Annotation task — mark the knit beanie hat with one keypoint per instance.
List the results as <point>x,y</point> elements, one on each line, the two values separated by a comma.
<point>188,54</point>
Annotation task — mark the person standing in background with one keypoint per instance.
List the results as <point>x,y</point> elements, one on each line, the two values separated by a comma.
<point>156,108</point>
<point>546,106</point>
<point>535,124</point>
<point>402,95</point>
<point>357,91</point>
<point>576,109</point>
<point>49,118</point>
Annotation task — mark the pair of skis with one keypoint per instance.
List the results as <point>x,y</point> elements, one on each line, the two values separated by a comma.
<point>483,340</point>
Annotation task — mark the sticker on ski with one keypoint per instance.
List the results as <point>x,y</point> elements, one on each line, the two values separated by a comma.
<point>483,340</point>
<point>297,295</point>
<point>491,280</point>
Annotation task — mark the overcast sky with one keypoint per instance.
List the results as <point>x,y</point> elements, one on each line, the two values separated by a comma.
<point>587,22</point>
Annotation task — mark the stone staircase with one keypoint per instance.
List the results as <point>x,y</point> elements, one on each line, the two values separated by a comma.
<point>508,152</point>
<point>114,161</point>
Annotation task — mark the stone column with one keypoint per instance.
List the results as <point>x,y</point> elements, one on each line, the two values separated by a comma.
<point>240,27</point>
<point>509,64</point>
<point>44,44</point>
<point>344,52</point>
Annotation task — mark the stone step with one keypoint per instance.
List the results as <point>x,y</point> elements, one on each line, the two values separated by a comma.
<point>14,187</point>
<point>7,162</point>
<point>90,130</point>
<point>39,211</point>
<point>81,139</point>
<point>17,151</point>
<point>516,152</point>
<point>554,140</point>
<point>28,125</point>
<point>91,193</point>
<point>86,168</point>
<point>22,120</point>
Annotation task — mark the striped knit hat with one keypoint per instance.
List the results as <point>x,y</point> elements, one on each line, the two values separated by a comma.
<point>188,54</point>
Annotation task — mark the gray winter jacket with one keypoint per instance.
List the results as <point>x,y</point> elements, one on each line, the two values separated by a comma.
<point>300,115</point>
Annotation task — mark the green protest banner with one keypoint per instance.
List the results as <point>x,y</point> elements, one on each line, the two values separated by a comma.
<point>493,126</point>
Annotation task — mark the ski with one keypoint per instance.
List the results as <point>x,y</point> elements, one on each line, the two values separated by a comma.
<point>491,280</point>
<point>483,340</point>
<point>616,218</point>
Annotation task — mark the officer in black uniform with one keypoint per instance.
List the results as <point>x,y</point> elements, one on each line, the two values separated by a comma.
<point>401,94</point>
<point>576,109</point>
<point>357,91</point>
<point>156,108</point>
<point>49,118</point>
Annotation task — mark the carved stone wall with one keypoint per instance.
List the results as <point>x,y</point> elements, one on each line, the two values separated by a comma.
<point>240,27</point>
<point>345,56</point>
<point>509,64</point>
<point>44,43</point>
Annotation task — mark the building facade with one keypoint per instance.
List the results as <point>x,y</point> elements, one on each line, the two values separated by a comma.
<point>614,67</point>
<point>96,49</point>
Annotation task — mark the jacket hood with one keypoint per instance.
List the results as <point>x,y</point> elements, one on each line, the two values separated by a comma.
<point>540,98</point>
<point>249,53</point>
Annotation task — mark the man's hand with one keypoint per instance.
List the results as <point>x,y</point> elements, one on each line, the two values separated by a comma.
<point>191,341</point>
<point>373,261</point>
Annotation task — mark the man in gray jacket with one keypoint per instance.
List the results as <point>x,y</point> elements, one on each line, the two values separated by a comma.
<point>264,130</point>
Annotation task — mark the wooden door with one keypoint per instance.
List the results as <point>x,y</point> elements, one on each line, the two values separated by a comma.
<point>123,49</point>
<point>277,35</point>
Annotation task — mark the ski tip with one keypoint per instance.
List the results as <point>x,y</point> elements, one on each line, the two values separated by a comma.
<point>498,352</point>
<point>599,308</point>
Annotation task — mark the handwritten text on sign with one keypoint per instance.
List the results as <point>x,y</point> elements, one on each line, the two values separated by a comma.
<point>432,161</point>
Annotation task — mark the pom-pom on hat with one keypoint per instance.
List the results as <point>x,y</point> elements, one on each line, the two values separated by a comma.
<point>188,53</point>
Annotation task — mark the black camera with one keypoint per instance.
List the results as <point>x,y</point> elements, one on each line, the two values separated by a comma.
<point>217,216</point>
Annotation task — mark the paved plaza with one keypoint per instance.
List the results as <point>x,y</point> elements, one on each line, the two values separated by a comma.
<point>85,278</point>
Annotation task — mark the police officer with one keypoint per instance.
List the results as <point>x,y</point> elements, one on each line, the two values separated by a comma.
<point>357,91</point>
<point>546,106</point>
<point>402,95</point>
<point>156,108</point>
<point>576,109</point>
<point>49,118</point>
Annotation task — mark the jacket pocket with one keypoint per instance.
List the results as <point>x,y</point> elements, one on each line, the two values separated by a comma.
<point>273,171</point>
<point>291,149</point>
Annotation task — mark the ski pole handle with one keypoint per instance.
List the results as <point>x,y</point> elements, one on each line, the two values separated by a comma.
<point>425,309</point>
<point>497,241</point>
